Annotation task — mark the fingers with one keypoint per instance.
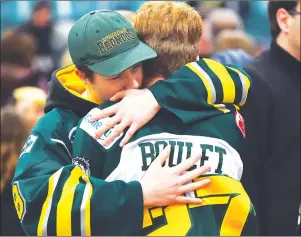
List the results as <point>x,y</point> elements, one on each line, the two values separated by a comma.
<point>187,164</point>
<point>191,175</point>
<point>111,122</point>
<point>162,157</point>
<point>116,131</point>
<point>187,200</point>
<point>129,134</point>
<point>194,186</point>
<point>107,112</point>
<point>119,95</point>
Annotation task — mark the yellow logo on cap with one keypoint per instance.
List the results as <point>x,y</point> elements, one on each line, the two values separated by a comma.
<point>114,39</point>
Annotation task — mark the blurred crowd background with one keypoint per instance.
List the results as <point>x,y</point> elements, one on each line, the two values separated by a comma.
<point>34,44</point>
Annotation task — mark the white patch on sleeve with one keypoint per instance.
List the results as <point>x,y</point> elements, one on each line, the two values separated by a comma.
<point>91,127</point>
<point>28,144</point>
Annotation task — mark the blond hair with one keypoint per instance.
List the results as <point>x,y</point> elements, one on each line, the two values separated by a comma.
<point>129,15</point>
<point>173,30</point>
<point>13,135</point>
<point>235,39</point>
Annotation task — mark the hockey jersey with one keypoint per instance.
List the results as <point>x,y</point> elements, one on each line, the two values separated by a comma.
<point>52,195</point>
<point>217,134</point>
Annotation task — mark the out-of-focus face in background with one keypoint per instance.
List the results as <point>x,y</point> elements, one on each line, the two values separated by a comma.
<point>30,102</point>
<point>42,17</point>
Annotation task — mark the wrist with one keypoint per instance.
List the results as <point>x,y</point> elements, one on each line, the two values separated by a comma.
<point>147,202</point>
<point>155,103</point>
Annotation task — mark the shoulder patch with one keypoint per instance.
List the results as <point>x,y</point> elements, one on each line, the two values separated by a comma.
<point>30,141</point>
<point>82,163</point>
<point>240,123</point>
<point>91,127</point>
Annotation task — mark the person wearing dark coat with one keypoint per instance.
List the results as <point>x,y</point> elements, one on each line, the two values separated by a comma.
<point>272,118</point>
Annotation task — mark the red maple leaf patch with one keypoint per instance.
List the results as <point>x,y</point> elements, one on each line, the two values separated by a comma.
<point>240,123</point>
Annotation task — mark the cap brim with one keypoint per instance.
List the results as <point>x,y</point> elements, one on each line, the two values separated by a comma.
<point>124,60</point>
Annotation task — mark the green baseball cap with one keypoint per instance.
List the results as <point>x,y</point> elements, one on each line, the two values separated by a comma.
<point>106,43</point>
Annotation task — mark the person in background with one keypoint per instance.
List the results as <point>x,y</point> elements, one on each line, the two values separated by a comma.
<point>237,57</point>
<point>234,47</point>
<point>220,19</point>
<point>30,102</point>
<point>17,54</point>
<point>272,116</point>
<point>235,39</point>
<point>13,135</point>
<point>40,26</point>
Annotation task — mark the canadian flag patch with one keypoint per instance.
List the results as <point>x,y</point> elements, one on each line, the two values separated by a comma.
<point>240,123</point>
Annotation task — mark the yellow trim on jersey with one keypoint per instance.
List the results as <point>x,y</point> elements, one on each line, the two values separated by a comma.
<point>210,91</point>
<point>64,207</point>
<point>247,82</point>
<point>193,68</point>
<point>221,107</point>
<point>236,107</point>
<point>42,225</point>
<point>225,79</point>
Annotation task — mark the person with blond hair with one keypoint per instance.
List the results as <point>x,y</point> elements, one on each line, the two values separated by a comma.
<point>217,132</point>
<point>235,39</point>
<point>29,102</point>
<point>13,135</point>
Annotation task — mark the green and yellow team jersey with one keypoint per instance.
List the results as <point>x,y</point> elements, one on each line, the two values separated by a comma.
<point>217,134</point>
<point>52,194</point>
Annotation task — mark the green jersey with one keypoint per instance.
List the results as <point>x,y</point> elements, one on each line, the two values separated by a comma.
<point>217,134</point>
<point>52,195</point>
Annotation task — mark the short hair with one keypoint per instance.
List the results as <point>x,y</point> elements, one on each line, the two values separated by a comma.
<point>42,4</point>
<point>221,19</point>
<point>13,135</point>
<point>235,39</point>
<point>18,48</point>
<point>88,72</point>
<point>129,15</point>
<point>273,7</point>
<point>173,30</point>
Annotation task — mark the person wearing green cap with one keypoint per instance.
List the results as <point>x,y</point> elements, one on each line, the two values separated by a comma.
<point>53,191</point>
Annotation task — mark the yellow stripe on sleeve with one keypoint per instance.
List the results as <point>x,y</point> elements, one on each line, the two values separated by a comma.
<point>225,78</point>
<point>195,69</point>
<point>247,83</point>
<point>43,221</point>
<point>221,107</point>
<point>64,208</point>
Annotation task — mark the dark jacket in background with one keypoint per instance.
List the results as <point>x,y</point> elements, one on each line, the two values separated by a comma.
<point>272,117</point>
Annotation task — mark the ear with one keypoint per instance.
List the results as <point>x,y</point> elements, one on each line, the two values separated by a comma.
<point>283,19</point>
<point>82,76</point>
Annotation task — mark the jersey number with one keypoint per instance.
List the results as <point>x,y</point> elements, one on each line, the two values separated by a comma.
<point>222,190</point>
<point>18,201</point>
